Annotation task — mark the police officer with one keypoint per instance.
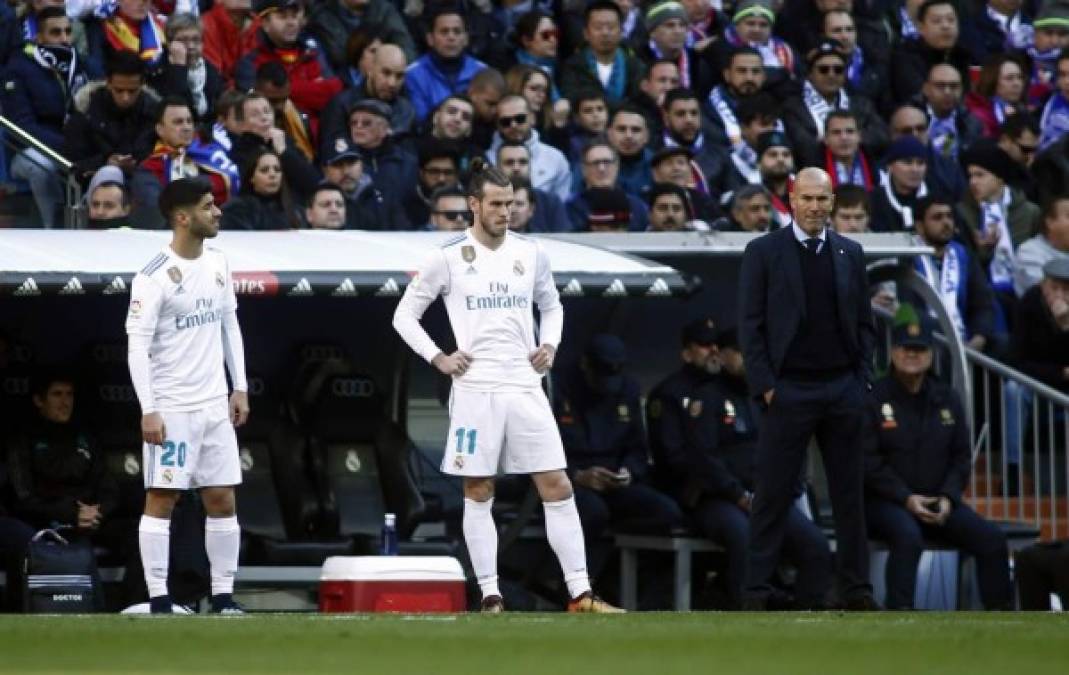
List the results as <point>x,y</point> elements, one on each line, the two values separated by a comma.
<point>917,462</point>
<point>600,419</point>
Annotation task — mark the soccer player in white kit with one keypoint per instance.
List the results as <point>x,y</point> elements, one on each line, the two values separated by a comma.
<point>182,327</point>
<point>499,415</point>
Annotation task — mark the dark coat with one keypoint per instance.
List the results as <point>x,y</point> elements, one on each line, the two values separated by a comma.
<point>391,167</point>
<point>772,304</point>
<point>331,24</point>
<point>575,76</point>
<point>97,128</point>
<point>915,444</point>
<point>667,407</point>
<point>35,99</point>
<point>912,59</point>
<point>301,175</point>
<point>1039,348</point>
<point>252,212</point>
<point>334,121</point>
<point>1051,171</point>
<point>802,128</point>
<point>721,433</point>
<point>175,82</point>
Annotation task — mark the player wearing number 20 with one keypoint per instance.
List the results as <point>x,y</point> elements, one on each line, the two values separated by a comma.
<point>182,326</point>
<point>490,280</point>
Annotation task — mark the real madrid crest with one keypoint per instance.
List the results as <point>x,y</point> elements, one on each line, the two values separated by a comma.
<point>888,416</point>
<point>729,412</point>
<point>341,145</point>
<point>517,268</point>
<point>695,408</point>
<point>467,253</point>
<point>458,462</point>
<point>914,329</point>
<point>175,274</point>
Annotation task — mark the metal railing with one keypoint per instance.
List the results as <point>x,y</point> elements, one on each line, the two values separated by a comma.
<point>74,215</point>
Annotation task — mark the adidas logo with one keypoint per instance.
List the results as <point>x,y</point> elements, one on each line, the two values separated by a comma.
<point>72,287</point>
<point>345,289</point>
<point>28,287</point>
<point>573,288</point>
<point>616,289</point>
<point>659,288</point>
<point>302,288</point>
<point>390,288</point>
<point>116,286</point>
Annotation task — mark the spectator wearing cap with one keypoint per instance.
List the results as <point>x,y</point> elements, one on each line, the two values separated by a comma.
<point>954,273</point>
<point>514,158</point>
<point>230,29</point>
<point>937,41</point>
<point>280,39</point>
<point>751,211</point>
<point>257,127</point>
<point>550,171</point>
<point>326,208</point>
<point>1040,343</point>
<point>751,26</point>
<point>607,210</point>
<point>391,166</point>
<point>996,218</point>
<point>775,163</point>
<point>864,39</point>
<point>602,64</point>
<point>1000,91</point>
<point>670,209</point>
<point>756,115</point>
<point>629,135</point>
<point>951,128</point>
<point>893,201</point>
<point>450,212</point>
<point>438,167</point>
<point>599,413</point>
<point>366,207</point>
<point>446,68</point>
<point>684,126</point>
<point>385,82</point>
<point>108,200</point>
<point>667,23</point>
<point>1049,37</point>
<point>918,458</point>
<point>1051,243</point>
<point>672,165</point>
<point>944,174</point>
<point>823,91</point>
<point>332,21</point>
<point>743,77</point>
<point>600,169</point>
<point>841,155</point>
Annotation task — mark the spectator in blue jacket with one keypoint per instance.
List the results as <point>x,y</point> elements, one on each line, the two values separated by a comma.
<point>446,68</point>
<point>600,167</point>
<point>38,85</point>
<point>391,166</point>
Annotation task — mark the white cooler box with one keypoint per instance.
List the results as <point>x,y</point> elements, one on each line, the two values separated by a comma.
<point>409,584</point>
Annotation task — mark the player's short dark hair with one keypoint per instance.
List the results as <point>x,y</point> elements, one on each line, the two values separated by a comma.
<point>45,377</point>
<point>171,102</point>
<point>922,11</point>
<point>482,173</point>
<point>1018,123</point>
<point>51,12</point>
<point>124,63</point>
<point>273,73</point>
<point>602,6</point>
<point>849,196</point>
<point>924,204</point>
<point>678,94</point>
<point>182,194</point>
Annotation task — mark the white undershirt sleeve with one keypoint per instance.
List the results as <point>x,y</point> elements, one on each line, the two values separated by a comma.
<point>141,371</point>
<point>234,351</point>
<point>431,281</point>
<point>146,297</point>
<point>551,322</point>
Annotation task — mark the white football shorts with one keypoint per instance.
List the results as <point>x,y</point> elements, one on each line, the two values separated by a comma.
<point>514,432</point>
<point>200,450</point>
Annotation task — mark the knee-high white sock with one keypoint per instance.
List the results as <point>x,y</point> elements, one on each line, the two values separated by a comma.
<point>480,534</point>
<point>222,540</point>
<point>154,537</point>
<point>565,535</point>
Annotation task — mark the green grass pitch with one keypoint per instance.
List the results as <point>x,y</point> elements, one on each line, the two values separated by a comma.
<point>546,644</point>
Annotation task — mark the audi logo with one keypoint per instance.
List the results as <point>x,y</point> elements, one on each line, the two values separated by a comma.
<point>16,386</point>
<point>352,387</point>
<point>109,353</point>
<point>116,393</point>
<point>321,353</point>
<point>256,386</point>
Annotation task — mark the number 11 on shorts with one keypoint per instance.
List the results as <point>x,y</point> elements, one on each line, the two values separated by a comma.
<point>470,433</point>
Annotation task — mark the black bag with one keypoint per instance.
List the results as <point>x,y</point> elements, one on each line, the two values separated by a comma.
<point>61,576</point>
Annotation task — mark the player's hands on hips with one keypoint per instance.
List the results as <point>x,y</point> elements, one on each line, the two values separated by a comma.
<point>542,358</point>
<point>239,407</point>
<point>152,430</point>
<point>454,365</point>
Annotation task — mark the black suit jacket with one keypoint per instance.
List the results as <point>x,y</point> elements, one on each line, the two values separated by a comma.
<point>772,304</point>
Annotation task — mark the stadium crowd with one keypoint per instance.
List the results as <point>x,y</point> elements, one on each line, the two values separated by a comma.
<point>943,119</point>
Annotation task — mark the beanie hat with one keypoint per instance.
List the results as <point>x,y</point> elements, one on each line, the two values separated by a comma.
<point>753,8</point>
<point>986,154</point>
<point>772,139</point>
<point>664,11</point>
<point>906,147</point>
<point>1053,14</point>
<point>609,207</point>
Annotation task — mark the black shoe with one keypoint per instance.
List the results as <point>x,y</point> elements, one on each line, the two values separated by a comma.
<point>224,604</point>
<point>862,602</point>
<point>161,604</point>
<point>492,604</point>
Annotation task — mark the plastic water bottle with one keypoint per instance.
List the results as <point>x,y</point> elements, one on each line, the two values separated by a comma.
<point>389,535</point>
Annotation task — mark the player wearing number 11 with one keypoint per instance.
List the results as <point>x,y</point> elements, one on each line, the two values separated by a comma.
<point>182,326</point>
<point>490,280</point>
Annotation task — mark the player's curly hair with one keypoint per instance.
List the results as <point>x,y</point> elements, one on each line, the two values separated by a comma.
<point>482,172</point>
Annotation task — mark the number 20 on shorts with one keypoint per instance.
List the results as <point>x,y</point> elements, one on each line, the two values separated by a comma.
<point>470,433</point>
<point>174,454</point>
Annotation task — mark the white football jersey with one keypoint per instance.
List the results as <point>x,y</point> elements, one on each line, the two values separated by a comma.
<point>181,303</point>
<point>490,297</point>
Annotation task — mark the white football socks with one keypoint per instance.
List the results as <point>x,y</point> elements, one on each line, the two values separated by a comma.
<point>154,537</point>
<point>480,534</point>
<point>222,541</point>
<point>565,535</point>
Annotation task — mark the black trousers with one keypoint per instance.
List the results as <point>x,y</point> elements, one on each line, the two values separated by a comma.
<point>964,529</point>
<point>1042,569</point>
<point>833,411</point>
<point>14,537</point>
<point>805,545</point>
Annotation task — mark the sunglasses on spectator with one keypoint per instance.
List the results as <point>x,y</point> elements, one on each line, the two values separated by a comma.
<point>454,215</point>
<point>828,69</point>
<point>509,121</point>
<point>549,34</point>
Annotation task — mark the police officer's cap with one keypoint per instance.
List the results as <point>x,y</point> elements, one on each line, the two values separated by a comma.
<point>912,334</point>
<point>699,332</point>
<point>607,350</point>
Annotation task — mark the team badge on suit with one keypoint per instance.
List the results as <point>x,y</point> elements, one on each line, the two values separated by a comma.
<point>467,253</point>
<point>175,274</point>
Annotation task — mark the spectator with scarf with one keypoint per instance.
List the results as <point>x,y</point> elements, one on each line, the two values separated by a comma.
<point>666,23</point>
<point>1052,243</point>
<point>537,40</point>
<point>1049,37</point>
<point>684,126</point>
<point>757,114</point>
<point>230,29</point>
<point>893,202</point>
<point>128,26</point>
<point>312,82</point>
<point>265,201</point>
<point>823,91</point>
<point>37,89</point>
<point>600,170</point>
<point>938,30</point>
<point>841,155</point>
<point>602,64</point>
<point>446,68</point>
<point>744,76</point>
<point>333,21</point>
<point>944,174</point>
<point>705,24</point>
<point>775,161</point>
<point>1054,121</point>
<point>629,135</point>
<point>868,54</point>
<point>1000,92</point>
<point>999,26</point>
<point>178,153</point>
<point>187,72</point>
<point>751,26</point>
<point>950,126</point>
<point>19,25</point>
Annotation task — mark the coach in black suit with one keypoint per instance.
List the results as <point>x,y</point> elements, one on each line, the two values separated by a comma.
<point>807,334</point>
